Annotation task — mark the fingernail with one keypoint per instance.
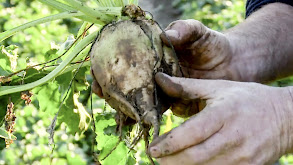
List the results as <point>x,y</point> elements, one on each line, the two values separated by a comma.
<point>161,74</point>
<point>172,34</point>
<point>155,151</point>
<point>161,78</point>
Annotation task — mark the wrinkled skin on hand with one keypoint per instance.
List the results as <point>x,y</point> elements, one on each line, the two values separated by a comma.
<point>202,53</point>
<point>242,123</point>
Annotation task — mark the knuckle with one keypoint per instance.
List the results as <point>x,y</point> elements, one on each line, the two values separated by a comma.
<point>169,147</point>
<point>174,24</point>
<point>195,24</point>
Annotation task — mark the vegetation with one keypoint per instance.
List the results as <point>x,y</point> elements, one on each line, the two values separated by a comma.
<point>52,50</point>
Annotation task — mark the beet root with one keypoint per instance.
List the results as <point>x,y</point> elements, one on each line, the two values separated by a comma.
<point>125,58</point>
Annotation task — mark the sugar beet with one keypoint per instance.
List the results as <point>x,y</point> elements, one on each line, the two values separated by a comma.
<point>125,58</point>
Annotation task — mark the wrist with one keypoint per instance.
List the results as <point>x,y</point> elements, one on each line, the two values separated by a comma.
<point>262,44</point>
<point>246,65</point>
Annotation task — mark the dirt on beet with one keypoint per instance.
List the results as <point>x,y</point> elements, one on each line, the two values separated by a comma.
<point>124,59</point>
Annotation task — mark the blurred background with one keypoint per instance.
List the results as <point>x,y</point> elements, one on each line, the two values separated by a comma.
<point>31,146</point>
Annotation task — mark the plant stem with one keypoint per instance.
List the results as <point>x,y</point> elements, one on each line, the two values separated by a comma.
<point>4,90</point>
<point>110,10</point>
<point>90,11</point>
<point>82,28</point>
<point>135,2</point>
<point>75,66</point>
<point>63,7</point>
<point>57,5</point>
<point>63,15</point>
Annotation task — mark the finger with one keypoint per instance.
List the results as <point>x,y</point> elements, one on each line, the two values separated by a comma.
<point>168,86</point>
<point>194,131</point>
<point>183,32</point>
<point>96,88</point>
<point>211,150</point>
<point>190,89</point>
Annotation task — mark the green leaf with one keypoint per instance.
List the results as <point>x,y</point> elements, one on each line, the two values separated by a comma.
<point>8,57</point>
<point>80,82</point>
<point>3,107</point>
<point>33,74</point>
<point>51,54</point>
<point>69,115</point>
<point>75,159</point>
<point>6,135</point>
<point>45,161</point>
<point>48,97</point>
<point>64,82</point>
<point>107,139</point>
<point>131,159</point>
<point>118,157</point>
<point>28,76</point>
<point>2,144</point>
<point>72,112</point>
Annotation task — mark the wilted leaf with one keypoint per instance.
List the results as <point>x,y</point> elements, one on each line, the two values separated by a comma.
<point>74,115</point>
<point>7,61</point>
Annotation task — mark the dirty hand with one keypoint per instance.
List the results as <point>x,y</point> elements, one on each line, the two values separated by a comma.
<point>202,53</point>
<point>242,123</point>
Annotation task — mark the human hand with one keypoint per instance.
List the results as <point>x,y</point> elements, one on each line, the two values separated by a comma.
<point>242,123</point>
<point>202,52</point>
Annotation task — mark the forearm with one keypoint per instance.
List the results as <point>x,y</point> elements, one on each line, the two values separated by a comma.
<point>263,44</point>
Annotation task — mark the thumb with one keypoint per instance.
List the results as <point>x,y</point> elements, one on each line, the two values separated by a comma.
<point>190,89</point>
<point>194,131</point>
<point>183,32</point>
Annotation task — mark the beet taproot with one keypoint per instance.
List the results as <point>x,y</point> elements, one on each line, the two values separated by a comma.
<point>124,59</point>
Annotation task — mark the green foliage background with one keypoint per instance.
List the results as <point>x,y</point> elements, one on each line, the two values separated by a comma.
<point>73,146</point>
